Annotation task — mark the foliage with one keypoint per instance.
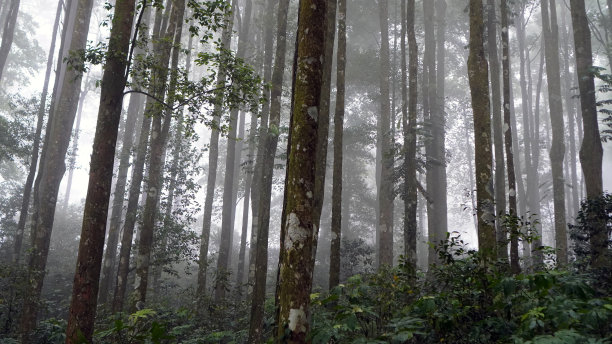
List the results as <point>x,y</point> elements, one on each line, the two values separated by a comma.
<point>462,300</point>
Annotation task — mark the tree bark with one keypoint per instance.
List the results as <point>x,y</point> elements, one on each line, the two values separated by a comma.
<point>27,189</point>
<point>557,149</point>
<point>385,199</point>
<point>268,155</point>
<point>498,135</point>
<point>91,246</point>
<point>508,105</point>
<point>336,220</point>
<point>295,266</point>
<point>51,172</point>
<point>591,151</point>
<point>479,89</point>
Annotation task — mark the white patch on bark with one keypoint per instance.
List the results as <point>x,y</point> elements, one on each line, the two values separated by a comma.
<point>297,320</point>
<point>295,232</point>
<point>313,112</point>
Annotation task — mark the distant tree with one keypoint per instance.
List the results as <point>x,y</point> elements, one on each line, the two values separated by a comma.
<point>8,32</point>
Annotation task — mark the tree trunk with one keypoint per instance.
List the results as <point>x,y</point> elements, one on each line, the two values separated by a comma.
<point>591,151</point>
<point>295,266</point>
<point>51,172</point>
<point>27,189</point>
<point>479,88</point>
<point>75,144</point>
<point>8,32</point>
<point>557,150</point>
<point>508,105</point>
<point>159,134</point>
<point>385,199</point>
<point>91,246</point>
<point>213,158</point>
<point>336,220</point>
<point>268,155</point>
<point>409,116</point>
<point>498,135</point>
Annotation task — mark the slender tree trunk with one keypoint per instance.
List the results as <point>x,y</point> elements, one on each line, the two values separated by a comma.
<point>323,129</point>
<point>508,105</point>
<point>557,150</point>
<point>591,151</point>
<point>498,136</point>
<point>213,158</point>
<point>268,154</point>
<point>385,199</point>
<point>297,233</point>
<point>336,225</point>
<point>409,115</point>
<point>51,172</point>
<point>8,32</point>
<point>27,189</point>
<point>89,260</point>
<point>538,257</point>
<point>133,111</point>
<point>479,88</point>
<point>159,134</point>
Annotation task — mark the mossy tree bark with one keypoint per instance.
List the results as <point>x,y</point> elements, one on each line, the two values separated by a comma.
<point>297,232</point>
<point>479,89</point>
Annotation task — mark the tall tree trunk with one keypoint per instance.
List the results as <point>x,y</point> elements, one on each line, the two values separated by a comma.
<point>8,33</point>
<point>557,150</point>
<point>268,43</point>
<point>295,266</point>
<point>479,89</point>
<point>323,129</point>
<point>225,246</point>
<point>268,154</point>
<point>42,107</point>
<point>133,111</point>
<point>51,172</point>
<point>591,151</point>
<point>508,105</point>
<point>159,134</point>
<point>91,246</point>
<point>538,257</point>
<point>336,220</point>
<point>213,158</point>
<point>409,116</point>
<point>385,198</point>
<point>498,136</point>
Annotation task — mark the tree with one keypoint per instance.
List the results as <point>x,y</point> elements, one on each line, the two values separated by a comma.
<point>27,189</point>
<point>385,197</point>
<point>268,155</point>
<point>591,151</point>
<point>555,104</point>
<point>8,33</point>
<point>52,168</point>
<point>297,231</point>
<point>479,89</point>
<point>508,105</point>
<point>409,115</point>
<point>498,136</point>
<point>91,246</point>
<point>334,265</point>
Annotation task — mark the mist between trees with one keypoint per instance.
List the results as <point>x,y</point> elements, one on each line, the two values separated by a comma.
<point>312,171</point>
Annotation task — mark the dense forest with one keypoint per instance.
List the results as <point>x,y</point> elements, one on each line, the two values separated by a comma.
<point>307,171</point>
